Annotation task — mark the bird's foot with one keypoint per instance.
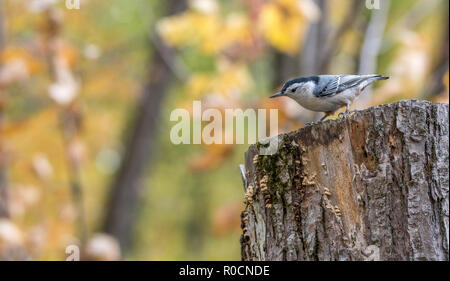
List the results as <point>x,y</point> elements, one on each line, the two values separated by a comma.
<point>343,115</point>
<point>311,123</point>
<point>346,114</point>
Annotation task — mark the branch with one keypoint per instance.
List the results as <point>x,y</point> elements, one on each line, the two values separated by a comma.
<point>331,47</point>
<point>371,47</point>
<point>65,88</point>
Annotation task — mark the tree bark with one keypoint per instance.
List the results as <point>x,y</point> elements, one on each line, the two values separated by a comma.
<point>373,186</point>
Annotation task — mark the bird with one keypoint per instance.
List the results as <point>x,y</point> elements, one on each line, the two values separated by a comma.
<point>327,93</point>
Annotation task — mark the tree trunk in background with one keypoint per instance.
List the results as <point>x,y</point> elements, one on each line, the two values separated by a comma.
<point>373,186</point>
<point>370,48</point>
<point>125,190</point>
<point>313,47</point>
<point>435,86</point>
<point>285,66</point>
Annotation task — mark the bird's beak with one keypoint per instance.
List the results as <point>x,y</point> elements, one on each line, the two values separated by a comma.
<point>279,94</point>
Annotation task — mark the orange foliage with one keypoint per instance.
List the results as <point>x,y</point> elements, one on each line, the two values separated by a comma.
<point>227,218</point>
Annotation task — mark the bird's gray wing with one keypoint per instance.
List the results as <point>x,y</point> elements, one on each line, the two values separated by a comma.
<point>332,85</point>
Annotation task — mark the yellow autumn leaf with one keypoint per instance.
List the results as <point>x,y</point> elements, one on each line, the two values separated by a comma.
<point>211,32</point>
<point>237,27</point>
<point>174,30</point>
<point>233,29</point>
<point>190,28</point>
<point>232,79</point>
<point>198,84</point>
<point>282,24</point>
<point>227,81</point>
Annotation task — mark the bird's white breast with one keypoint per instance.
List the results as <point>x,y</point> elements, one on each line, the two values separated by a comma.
<point>305,98</point>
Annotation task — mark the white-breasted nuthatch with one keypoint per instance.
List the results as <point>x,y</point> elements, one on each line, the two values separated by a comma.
<point>327,93</point>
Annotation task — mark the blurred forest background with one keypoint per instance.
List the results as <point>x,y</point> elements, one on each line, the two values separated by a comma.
<point>86,95</point>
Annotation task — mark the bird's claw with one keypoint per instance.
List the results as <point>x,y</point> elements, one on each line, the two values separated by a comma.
<point>311,123</point>
<point>346,114</point>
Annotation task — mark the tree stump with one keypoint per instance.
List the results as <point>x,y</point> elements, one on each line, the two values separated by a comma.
<point>372,186</point>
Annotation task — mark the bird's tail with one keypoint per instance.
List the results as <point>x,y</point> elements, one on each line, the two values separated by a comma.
<point>381,77</point>
<point>371,79</point>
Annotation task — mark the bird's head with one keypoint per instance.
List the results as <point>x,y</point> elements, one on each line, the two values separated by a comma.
<point>296,86</point>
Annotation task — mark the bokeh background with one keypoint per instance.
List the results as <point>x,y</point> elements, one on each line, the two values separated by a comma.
<point>86,95</point>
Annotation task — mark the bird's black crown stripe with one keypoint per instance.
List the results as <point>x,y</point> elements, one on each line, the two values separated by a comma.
<point>299,80</point>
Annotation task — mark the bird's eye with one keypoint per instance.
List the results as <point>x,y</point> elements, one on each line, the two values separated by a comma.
<point>293,90</point>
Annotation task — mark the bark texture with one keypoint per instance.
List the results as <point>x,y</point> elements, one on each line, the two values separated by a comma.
<point>373,186</point>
